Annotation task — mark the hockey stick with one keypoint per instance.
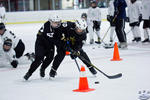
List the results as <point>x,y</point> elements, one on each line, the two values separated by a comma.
<point>68,46</point>
<point>77,64</point>
<point>108,76</point>
<point>106,46</point>
<point>106,33</point>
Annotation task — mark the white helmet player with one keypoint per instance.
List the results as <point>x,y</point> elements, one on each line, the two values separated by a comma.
<point>81,24</point>
<point>55,21</point>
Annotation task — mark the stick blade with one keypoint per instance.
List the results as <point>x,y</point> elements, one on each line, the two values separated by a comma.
<point>108,46</point>
<point>115,76</point>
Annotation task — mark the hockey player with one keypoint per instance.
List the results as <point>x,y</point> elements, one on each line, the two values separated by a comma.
<point>73,38</point>
<point>119,19</point>
<point>48,36</point>
<point>75,43</point>
<point>146,18</point>
<point>94,21</point>
<point>13,47</point>
<point>8,53</point>
<point>135,17</point>
<point>110,18</point>
<point>2,13</point>
<point>84,16</point>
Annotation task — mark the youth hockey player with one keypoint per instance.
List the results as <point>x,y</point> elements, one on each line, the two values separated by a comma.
<point>94,21</point>
<point>12,45</point>
<point>120,15</point>
<point>146,18</point>
<point>73,38</point>
<point>135,17</point>
<point>84,16</point>
<point>48,36</point>
<point>75,43</point>
<point>2,13</point>
<point>7,53</point>
<point>110,18</point>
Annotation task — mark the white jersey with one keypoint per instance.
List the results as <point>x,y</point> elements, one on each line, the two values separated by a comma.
<point>146,9</point>
<point>134,11</point>
<point>9,56</point>
<point>111,8</point>
<point>9,35</point>
<point>94,14</point>
<point>2,11</point>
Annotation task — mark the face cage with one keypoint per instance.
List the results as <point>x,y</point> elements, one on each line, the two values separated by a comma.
<point>6,49</point>
<point>58,25</point>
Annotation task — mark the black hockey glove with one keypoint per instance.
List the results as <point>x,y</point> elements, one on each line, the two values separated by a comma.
<point>127,19</point>
<point>75,52</point>
<point>73,56</point>
<point>14,63</point>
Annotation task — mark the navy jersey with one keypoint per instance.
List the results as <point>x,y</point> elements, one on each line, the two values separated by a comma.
<point>120,6</point>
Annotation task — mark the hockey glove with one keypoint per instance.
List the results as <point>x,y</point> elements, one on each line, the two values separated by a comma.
<point>14,63</point>
<point>127,19</point>
<point>75,53</point>
<point>73,56</point>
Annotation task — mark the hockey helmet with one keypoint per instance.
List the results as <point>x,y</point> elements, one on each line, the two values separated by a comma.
<point>2,26</point>
<point>93,3</point>
<point>7,45</point>
<point>55,21</point>
<point>84,15</point>
<point>81,25</point>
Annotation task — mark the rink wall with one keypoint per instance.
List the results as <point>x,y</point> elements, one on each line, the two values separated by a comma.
<point>42,16</point>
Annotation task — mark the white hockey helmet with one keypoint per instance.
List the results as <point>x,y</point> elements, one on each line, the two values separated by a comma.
<point>55,20</point>
<point>81,24</point>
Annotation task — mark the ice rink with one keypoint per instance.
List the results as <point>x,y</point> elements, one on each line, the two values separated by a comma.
<point>135,68</point>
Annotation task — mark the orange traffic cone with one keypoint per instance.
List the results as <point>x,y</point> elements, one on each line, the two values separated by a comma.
<point>116,56</point>
<point>83,82</point>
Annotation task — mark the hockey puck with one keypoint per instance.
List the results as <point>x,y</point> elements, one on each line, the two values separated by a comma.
<point>97,82</point>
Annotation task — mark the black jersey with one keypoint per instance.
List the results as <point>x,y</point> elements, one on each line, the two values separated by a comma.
<point>74,39</point>
<point>49,34</point>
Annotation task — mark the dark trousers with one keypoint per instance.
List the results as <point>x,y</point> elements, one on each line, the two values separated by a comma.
<point>120,26</point>
<point>59,57</point>
<point>19,49</point>
<point>43,55</point>
<point>96,25</point>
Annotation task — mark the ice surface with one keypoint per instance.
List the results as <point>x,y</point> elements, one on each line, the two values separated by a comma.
<point>135,68</point>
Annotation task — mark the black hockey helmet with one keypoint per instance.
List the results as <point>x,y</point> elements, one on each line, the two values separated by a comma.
<point>7,45</point>
<point>93,3</point>
<point>132,1</point>
<point>84,15</point>
<point>8,42</point>
<point>2,26</point>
